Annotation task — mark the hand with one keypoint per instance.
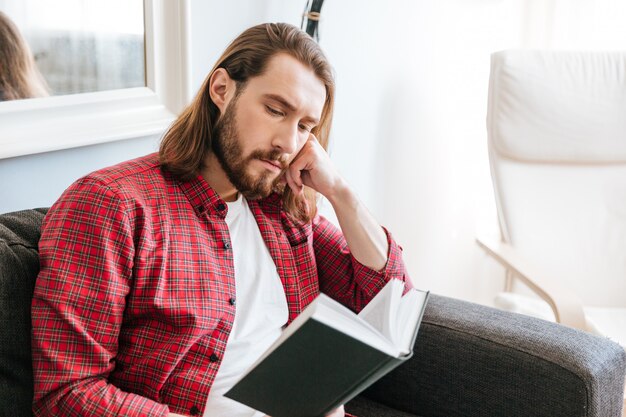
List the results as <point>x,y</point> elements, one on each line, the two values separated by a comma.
<point>312,167</point>
<point>366,239</point>
<point>338,412</point>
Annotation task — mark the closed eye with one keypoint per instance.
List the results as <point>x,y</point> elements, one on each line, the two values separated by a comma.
<point>274,112</point>
<point>305,128</point>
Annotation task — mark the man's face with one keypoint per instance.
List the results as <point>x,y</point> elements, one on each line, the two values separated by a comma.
<point>264,126</point>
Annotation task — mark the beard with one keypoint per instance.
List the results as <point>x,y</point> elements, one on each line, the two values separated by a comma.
<point>226,145</point>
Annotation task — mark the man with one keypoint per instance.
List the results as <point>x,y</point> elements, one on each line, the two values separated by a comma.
<point>163,278</point>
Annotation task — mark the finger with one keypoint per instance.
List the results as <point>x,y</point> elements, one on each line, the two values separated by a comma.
<point>305,148</point>
<point>296,176</point>
<point>297,166</point>
<point>294,187</point>
<point>337,412</point>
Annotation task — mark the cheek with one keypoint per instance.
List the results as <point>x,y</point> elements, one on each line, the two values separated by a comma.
<point>255,127</point>
<point>249,134</point>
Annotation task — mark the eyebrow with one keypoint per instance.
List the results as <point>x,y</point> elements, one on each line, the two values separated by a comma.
<point>289,106</point>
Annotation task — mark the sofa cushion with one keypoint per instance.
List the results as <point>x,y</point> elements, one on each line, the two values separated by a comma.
<point>19,265</point>
<point>364,407</point>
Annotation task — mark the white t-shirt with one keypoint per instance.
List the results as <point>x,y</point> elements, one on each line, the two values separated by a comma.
<point>261,309</point>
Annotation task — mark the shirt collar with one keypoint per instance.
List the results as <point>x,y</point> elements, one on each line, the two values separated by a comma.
<point>202,197</point>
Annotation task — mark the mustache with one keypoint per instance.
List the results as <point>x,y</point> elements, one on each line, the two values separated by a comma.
<point>274,156</point>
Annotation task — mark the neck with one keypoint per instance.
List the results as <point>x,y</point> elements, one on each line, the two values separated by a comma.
<point>217,178</point>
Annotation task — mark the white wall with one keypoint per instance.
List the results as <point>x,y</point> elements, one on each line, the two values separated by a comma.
<point>412,100</point>
<point>409,131</point>
<point>38,180</point>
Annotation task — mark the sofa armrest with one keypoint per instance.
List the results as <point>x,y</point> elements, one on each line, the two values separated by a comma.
<point>471,360</point>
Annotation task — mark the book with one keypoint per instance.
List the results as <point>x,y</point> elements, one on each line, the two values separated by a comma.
<point>329,354</point>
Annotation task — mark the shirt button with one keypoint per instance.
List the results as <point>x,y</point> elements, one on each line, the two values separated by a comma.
<point>213,357</point>
<point>232,301</point>
<point>221,207</point>
<point>226,245</point>
<point>194,411</point>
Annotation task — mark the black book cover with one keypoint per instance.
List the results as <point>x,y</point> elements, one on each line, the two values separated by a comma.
<point>314,371</point>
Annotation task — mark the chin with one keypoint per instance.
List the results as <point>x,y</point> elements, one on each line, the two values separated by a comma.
<point>256,193</point>
<point>256,186</point>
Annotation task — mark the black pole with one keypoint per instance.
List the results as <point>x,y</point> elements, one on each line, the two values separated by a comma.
<point>311,17</point>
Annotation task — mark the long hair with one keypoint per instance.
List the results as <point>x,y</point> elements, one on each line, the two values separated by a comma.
<point>186,143</point>
<point>19,76</point>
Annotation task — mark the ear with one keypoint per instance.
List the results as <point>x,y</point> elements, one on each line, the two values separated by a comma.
<point>221,88</point>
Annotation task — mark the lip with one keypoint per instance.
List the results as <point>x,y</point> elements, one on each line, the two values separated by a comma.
<point>274,166</point>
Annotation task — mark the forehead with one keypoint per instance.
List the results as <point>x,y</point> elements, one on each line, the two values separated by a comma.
<point>296,82</point>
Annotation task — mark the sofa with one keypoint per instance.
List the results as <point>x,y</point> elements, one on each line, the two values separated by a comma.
<point>469,360</point>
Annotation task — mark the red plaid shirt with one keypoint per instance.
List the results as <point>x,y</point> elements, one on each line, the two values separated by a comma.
<point>136,296</point>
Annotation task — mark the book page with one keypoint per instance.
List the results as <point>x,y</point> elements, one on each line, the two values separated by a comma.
<point>395,315</point>
<point>408,313</point>
<point>381,311</point>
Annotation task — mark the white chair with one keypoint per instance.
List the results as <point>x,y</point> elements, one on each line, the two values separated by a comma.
<point>557,148</point>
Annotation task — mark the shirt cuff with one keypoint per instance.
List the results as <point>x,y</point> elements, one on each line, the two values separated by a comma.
<point>137,406</point>
<point>371,280</point>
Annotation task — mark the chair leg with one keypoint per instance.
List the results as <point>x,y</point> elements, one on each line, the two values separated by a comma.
<point>508,281</point>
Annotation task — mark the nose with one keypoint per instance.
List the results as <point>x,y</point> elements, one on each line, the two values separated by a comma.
<point>286,138</point>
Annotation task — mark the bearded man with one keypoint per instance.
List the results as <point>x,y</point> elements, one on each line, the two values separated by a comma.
<point>165,277</point>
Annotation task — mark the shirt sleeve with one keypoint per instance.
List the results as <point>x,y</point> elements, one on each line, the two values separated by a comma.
<point>86,259</point>
<point>344,278</point>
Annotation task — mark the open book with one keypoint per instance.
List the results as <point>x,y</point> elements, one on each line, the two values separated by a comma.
<point>329,354</point>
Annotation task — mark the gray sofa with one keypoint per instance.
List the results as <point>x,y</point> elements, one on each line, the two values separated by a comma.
<point>468,360</point>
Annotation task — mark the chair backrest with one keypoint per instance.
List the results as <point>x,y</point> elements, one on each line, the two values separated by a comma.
<point>557,146</point>
<point>19,265</point>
